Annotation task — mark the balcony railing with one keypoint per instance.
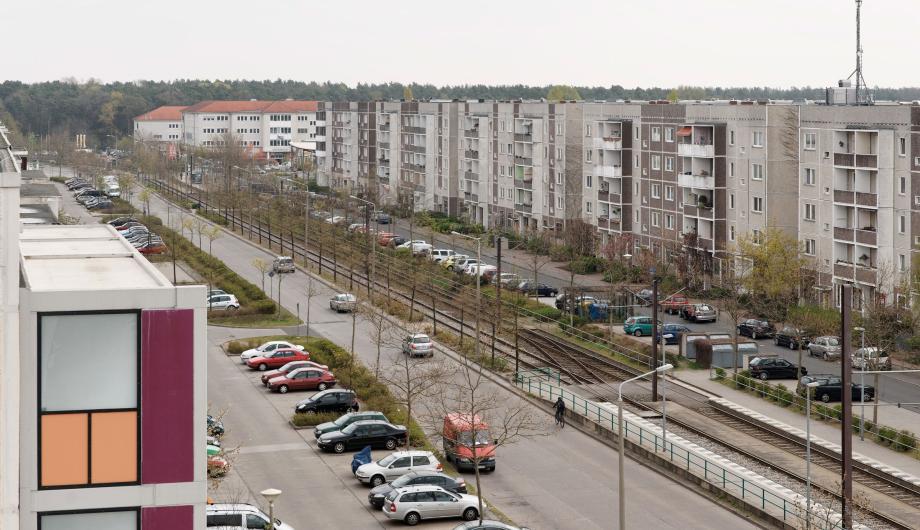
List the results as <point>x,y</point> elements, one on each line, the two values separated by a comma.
<point>697,150</point>
<point>843,234</point>
<point>608,171</point>
<point>843,270</point>
<point>856,160</point>
<point>866,275</point>
<point>603,195</point>
<point>866,199</point>
<point>844,196</point>
<point>523,137</point>
<point>526,207</point>
<point>614,143</point>
<point>700,182</point>
<point>865,237</point>
<point>469,153</point>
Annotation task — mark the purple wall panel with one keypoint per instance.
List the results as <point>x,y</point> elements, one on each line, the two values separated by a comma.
<point>168,518</point>
<point>167,382</point>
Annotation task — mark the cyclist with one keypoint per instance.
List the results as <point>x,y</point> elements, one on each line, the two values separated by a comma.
<point>560,411</point>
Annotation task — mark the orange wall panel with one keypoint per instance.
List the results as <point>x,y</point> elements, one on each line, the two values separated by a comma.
<point>114,447</point>
<point>64,449</point>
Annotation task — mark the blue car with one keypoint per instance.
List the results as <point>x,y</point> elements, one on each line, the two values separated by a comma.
<point>671,333</point>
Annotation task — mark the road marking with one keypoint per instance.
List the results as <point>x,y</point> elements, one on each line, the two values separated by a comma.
<point>271,448</point>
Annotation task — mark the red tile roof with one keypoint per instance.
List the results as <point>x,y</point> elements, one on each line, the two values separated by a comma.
<point>253,106</point>
<point>164,113</point>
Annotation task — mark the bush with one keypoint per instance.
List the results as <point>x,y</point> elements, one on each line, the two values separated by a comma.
<point>587,265</point>
<point>559,252</point>
<point>906,441</point>
<point>235,347</point>
<point>309,420</point>
<point>547,313</point>
<point>263,307</point>
<point>720,373</point>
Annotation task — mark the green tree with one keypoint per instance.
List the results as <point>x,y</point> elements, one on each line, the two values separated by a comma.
<point>673,96</point>
<point>407,93</point>
<point>773,271</point>
<point>563,93</point>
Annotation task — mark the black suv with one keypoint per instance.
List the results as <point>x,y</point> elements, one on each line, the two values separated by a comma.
<point>830,386</point>
<point>332,400</point>
<point>375,433</point>
<point>415,478</point>
<point>790,337</point>
<point>765,368</point>
<point>756,329</point>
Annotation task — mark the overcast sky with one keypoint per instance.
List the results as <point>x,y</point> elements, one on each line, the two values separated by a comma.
<point>645,43</point>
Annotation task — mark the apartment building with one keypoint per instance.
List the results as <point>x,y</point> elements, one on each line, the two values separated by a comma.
<point>162,124</point>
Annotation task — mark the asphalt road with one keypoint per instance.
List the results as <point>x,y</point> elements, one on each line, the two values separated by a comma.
<point>564,479</point>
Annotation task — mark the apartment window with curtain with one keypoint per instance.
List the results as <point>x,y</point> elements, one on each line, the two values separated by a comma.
<point>811,141</point>
<point>88,419</point>
<point>809,179</point>
<point>758,205</point>
<point>810,247</point>
<point>669,163</point>
<point>656,219</point>
<point>656,191</point>
<point>669,134</point>
<point>588,207</point>
<point>669,193</point>
<point>656,134</point>
<point>656,162</point>
<point>587,181</point>
<point>669,221</point>
<point>731,233</point>
<point>810,211</point>
<point>756,171</point>
<point>902,146</point>
<point>757,139</point>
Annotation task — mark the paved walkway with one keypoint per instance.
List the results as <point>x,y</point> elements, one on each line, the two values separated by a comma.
<point>890,416</point>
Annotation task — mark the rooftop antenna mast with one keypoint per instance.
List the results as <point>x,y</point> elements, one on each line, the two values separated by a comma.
<point>859,81</point>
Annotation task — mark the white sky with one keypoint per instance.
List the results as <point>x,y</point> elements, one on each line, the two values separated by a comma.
<point>776,43</point>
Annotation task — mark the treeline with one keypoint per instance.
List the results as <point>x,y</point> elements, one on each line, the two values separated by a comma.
<point>108,109</point>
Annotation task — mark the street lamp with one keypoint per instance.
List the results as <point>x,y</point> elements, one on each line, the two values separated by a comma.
<point>478,241</point>
<point>367,236</point>
<point>270,495</point>
<point>808,391</point>
<point>621,438</point>
<point>862,381</point>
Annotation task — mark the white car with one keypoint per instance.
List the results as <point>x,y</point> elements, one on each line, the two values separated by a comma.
<point>438,255</point>
<point>395,465</point>
<point>267,348</point>
<point>414,503</point>
<point>223,302</point>
<point>417,246</point>
<point>240,516</point>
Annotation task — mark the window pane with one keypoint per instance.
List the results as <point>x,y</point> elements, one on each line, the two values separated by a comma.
<point>63,449</point>
<point>91,521</point>
<point>89,361</point>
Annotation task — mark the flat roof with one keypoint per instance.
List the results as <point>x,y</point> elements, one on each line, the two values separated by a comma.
<point>38,189</point>
<point>83,258</point>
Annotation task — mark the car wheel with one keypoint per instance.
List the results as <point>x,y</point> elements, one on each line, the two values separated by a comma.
<point>637,333</point>
<point>754,335</point>
<point>776,341</point>
<point>377,480</point>
<point>826,398</point>
<point>283,389</point>
<point>263,367</point>
<point>354,408</point>
<point>322,386</point>
<point>470,514</point>
<point>390,444</point>
<point>826,357</point>
<point>792,345</point>
<point>412,519</point>
<point>339,448</point>
<point>764,376</point>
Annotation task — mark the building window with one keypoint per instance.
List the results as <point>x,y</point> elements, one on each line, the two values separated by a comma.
<point>731,233</point>
<point>637,162</point>
<point>558,177</point>
<point>758,139</point>
<point>559,202</point>
<point>811,141</point>
<point>669,163</point>
<point>810,211</point>
<point>902,224</point>
<point>588,154</point>
<point>656,134</point>
<point>636,133</point>
<point>656,219</point>
<point>588,207</point>
<point>669,221</point>
<point>902,146</point>
<point>587,181</point>
<point>120,519</point>
<point>758,205</point>
<point>656,191</point>
<point>669,134</point>
<point>656,162</point>
<point>902,263</point>
<point>731,137</point>
<point>809,176</point>
<point>669,193</point>
<point>902,185</point>
<point>756,171</point>
<point>810,247</point>
<point>559,153</point>
<point>731,200</point>
<point>88,403</point>
<point>755,236</point>
<point>731,169</point>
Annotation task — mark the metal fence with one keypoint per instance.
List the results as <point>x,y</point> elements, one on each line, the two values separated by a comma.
<point>779,502</point>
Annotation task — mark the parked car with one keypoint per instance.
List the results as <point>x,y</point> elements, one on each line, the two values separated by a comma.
<point>396,241</point>
<point>374,433</point>
<point>532,288</point>
<point>302,379</point>
<point>507,279</point>
<point>671,333</point>
<point>118,221</point>
<point>638,326</point>
<point>440,254</point>
<point>332,400</point>
<point>672,304</point>
<point>154,247</point>
<point>381,217</point>
<point>645,294</point>
<point>266,347</point>
<point>765,368</point>
<point>459,262</point>
<point>214,292</point>
<point>383,238</point>
<point>347,419</point>
<point>290,367</point>
<point>223,302</point>
<point>240,516</point>
<point>790,337</point>
<point>756,328</point>
<point>215,426</point>
<point>277,358</point>
<point>418,345</point>
<point>829,388</point>
<point>343,302</point>
<point>283,264</point>
<point>335,219</point>
<point>451,261</point>
<point>487,524</point>
<point>395,465</point>
<point>415,503</point>
<point>699,313</point>
<point>870,358</point>
<point>468,443</point>
<point>415,478</point>
<point>355,226</point>
<point>417,246</point>
<point>826,347</point>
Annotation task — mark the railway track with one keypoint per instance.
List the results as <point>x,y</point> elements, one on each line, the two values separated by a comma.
<point>578,365</point>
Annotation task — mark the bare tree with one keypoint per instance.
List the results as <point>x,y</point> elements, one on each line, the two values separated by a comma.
<point>200,227</point>
<point>309,291</point>
<point>380,331</point>
<point>214,232</point>
<point>187,223</point>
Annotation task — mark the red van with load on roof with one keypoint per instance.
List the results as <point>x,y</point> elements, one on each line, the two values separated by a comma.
<point>467,441</point>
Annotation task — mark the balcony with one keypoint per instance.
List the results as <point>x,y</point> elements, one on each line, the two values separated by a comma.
<point>697,150</point>
<point>844,270</point>
<point>470,153</point>
<point>603,194</point>
<point>526,207</point>
<point>523,137</point>
<point>471,133</point>
<point>608,223</point>
<point>855,160</point>
<point>608,171</point>
<point>700,182</point>
<point>866,275</point>
<point>843,234</point>
<point>844,197</point>
<point>864,237</point>
<point>614,143</point>
<point>867,199</point>
<point>523,161</point>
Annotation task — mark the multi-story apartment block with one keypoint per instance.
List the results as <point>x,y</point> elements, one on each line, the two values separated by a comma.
<point>162,124</point>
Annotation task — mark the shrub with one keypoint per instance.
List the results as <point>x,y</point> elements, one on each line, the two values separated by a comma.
<point>559,252</point>
<point>887,435</point>
<point>235,347</point>
<point>587,265</point>
<point>263,307</point>
<point>309,420</point>
<point>547,313</point>
<point>720,373</point>
<point>906,441</point>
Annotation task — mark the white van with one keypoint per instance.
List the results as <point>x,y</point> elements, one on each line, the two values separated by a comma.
<point>112,189</point>
<point>440,254</point>
<point>240,517</point>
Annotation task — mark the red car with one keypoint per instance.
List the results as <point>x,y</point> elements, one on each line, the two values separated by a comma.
<point>277,359</point>
<point>153,248</point>
<point>302,379</point>
<point>268,376</point>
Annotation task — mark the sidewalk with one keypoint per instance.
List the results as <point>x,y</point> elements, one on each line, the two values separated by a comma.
<point>889,416</point>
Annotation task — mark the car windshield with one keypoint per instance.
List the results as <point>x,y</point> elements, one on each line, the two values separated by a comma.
<point>466,438</point>
<point>421,340</point>
<point>833,342</point>
<point>402,481</point>
<point>350,429</point>
<point>342,420</point>
<point>387,460</point>
<point>393,494</point>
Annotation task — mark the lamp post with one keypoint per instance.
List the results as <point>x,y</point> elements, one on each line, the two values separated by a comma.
<point>628,257</point>
<point>367,237</point>
<point>478,241</point>
<point>621,439</point>
<point>808,391</point>
<point>270,495</point>
<point>862,382</point>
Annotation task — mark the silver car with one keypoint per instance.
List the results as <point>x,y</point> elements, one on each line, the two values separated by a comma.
<point>414,503</point>
<point>826,347</point>
<point>343,302</point>
<point>418,345</point>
